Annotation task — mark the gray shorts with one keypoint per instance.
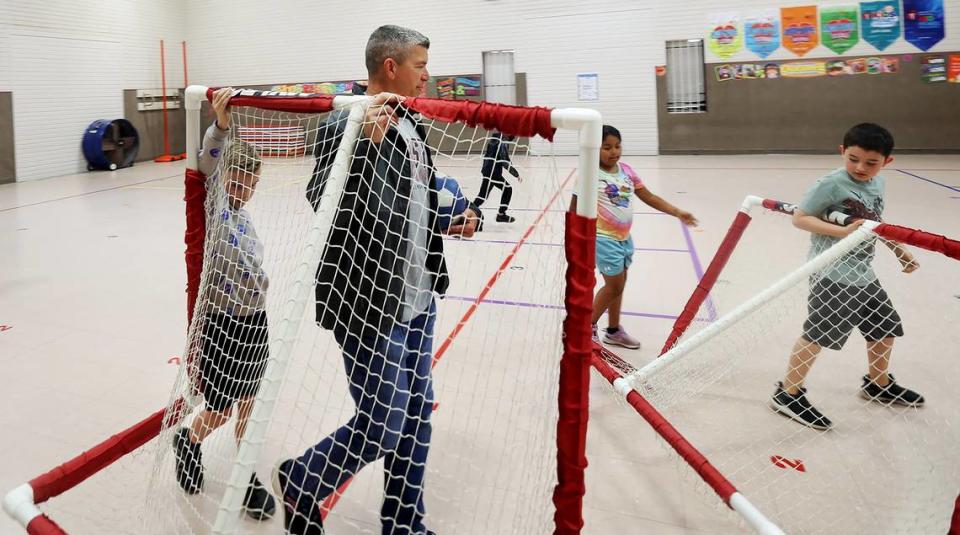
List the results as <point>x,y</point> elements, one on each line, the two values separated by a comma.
<point>834,309</point>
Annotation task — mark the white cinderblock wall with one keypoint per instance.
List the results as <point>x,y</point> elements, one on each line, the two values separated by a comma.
<point>553,41</point>
<point>68,64</point>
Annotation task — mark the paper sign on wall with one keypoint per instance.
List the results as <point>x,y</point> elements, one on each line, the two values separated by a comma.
<point>953,68</point>
<point>803,69</point>
<point>762,33</point>
<point>799,29</point>
<point>588,86</point>
<point>839,28</point>
<point>724,38</point>
<point>880,22</point>
<point>933,69</point>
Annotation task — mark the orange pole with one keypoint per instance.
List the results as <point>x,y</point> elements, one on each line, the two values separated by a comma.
<point>183,46</point>
<point>186,83</point>
<point>163,96</point>
<point>166,156</point>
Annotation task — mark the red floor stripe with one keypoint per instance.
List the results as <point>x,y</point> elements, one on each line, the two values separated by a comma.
<point>496,276</point>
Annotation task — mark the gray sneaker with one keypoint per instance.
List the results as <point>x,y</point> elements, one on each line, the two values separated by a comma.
<point>596,335</point>
<point>622,339</point>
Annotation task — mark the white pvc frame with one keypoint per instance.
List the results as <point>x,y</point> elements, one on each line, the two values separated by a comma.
<point>844,246</point>
<point>19,504</point>
<point>586,121</point>
<point>738,502</point>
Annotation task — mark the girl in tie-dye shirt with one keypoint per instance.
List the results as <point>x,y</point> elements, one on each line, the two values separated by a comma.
<point>618,184</point>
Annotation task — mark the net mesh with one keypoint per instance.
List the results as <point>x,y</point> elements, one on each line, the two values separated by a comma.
<point>358,404</point>
<point>881,468</point>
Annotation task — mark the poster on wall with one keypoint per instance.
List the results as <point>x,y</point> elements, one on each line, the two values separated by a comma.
<point>724,38</point>
<point>891,65</point>
<point>933,69</point>
<point>329,88</point>
<point>799,28</point>
<point>953,69</point>
<point>445,88</point>
<point>923,22</point>
<point>317,88</point>
<point>874,65</point>
<point>467,86</point>
<point>839,30</point>
<point>762,33</point>
<point>747,71</point>
<point>803,69</point>
<point>724,72</point>
<point>588,86</point>
<point>880,22</point>
<point>750,71</point>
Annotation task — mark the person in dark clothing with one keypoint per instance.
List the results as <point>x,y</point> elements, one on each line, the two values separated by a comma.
<point>496,160</point>
<point>380,272</point>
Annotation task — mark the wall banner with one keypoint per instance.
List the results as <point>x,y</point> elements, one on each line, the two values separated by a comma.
<point>799,29</point>
<point>762,33</point>
<point>880,22</point>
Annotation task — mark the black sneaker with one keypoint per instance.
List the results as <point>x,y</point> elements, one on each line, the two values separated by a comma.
<point>258,502</point>
<point>504,218</point>
<point>295,521</point>
<point>796,407</point>
<point>189,462</point>
<point>890,394</point>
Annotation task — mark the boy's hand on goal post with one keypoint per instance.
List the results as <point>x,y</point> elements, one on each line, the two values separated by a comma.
<point>221,103</point>
<point>381,113</point>
<point>909,263</point>
<point>906,258</point>
<point>849,229</point>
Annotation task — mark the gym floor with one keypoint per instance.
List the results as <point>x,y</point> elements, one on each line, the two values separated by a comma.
<point>92,322</point>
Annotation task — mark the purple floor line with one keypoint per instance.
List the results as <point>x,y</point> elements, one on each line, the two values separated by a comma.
<point>698,269</point>
<point>559,307</point>
<point>562,211</point>
<point>951,188</point>
<point>546,244</point>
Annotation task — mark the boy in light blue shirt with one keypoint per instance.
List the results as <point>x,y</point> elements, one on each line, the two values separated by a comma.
<point>847,294</point>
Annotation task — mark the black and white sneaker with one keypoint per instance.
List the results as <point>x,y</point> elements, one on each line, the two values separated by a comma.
<point>892,394</point>
<point>189,462</point>
<point>257,501</point>
<point>796,407</point>
<point>295,521</point>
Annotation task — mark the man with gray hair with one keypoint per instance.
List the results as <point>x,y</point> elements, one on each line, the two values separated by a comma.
<point>381,270</point>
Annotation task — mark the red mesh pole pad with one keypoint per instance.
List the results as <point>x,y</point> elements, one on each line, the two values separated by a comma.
<point>955,522</point>
<point>921,239</point>
<point>269,100</point>
<point>195,196</point>
<point>71,473</point>
<point>690,454</point>
<point>581,233</point>
<point>705,285</point>
<point>42,525</point>
<point>511,120</point>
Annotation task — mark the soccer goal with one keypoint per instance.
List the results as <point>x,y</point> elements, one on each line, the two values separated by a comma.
<point>883,467</point>
<point>511,340</point>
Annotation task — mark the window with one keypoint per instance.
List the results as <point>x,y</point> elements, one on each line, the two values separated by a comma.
<point>686,92</point>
